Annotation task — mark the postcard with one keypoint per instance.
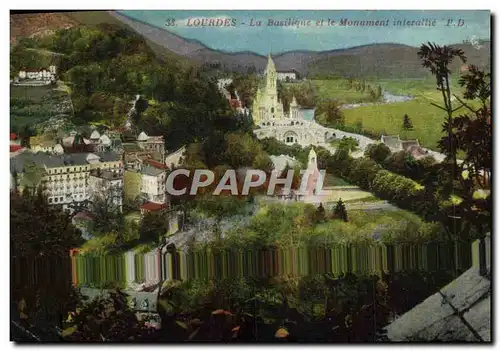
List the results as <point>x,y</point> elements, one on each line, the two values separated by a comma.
<point>250,176</point>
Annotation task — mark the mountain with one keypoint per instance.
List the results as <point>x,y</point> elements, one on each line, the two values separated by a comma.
<point>37,24</point>
<point>386,60</point>
<point>378,60</point>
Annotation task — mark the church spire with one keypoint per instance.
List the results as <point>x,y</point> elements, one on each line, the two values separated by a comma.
<point>270,65</point>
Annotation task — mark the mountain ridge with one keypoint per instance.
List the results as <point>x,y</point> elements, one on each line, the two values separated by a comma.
<point>374,59</point>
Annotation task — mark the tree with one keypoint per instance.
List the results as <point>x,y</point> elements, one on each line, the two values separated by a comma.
<point>328,113</point>
<point>457,180</point>
<point>437,59</point>
<point>219,207</point>
<point>31,177</point>
<point>348,143</point>
<point>378,152</point>
<point>319,215</point>
<point>105,319</point>
<point>40,239</point>
<point>154,226</point>
<point>340,211</point>
<point>25,134</point>
<point>407,125</point>
<point>106,206</point>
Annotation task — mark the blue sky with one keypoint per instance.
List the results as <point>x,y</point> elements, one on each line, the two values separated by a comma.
<point>264,39</point>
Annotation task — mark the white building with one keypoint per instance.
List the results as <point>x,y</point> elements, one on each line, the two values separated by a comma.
<point>174,159</point>
<point>106,187</point>
<point>65,178</point>
<point>101,142</point>
<point>287,76</point>
<point>43,75</point>
<point>153,185</point>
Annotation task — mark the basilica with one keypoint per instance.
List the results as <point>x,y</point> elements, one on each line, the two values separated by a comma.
<point>291,128</point>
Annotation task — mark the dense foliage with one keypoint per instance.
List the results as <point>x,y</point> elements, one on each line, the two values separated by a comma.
<point>41,237</point>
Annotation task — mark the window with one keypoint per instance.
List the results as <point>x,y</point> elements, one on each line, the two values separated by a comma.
<point>60,198</point>
<point>272,110</point>
<point>55,199</point>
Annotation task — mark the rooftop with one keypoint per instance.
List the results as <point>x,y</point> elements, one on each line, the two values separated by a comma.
<point>407,143</point>
<point>131,147</point>
<point>152,206</point>
<point>152,171</point>
<point>108,156</point>
<point>14,148</point>
<point>154,163</point>
<point>105,174</point>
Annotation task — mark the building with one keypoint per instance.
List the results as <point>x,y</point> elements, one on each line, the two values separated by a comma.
<point>412,147</point>
<point>106,187</point>
<point>174,159</point>
<point>267,107</point>
<point>142,147</point>
<point>100,142</point>
<point>153,185</point>
<point>287,76</point>
<point>291,128</point>
<point>152,207</point>
<point>147,184</point>
<point>40,75</point>
<point>64,178</point>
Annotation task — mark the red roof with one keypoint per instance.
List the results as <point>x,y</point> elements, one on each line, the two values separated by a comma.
<point>13,136</point>
<point>14,148</point>
<point>151,206</point>
<point>83,215</point>
<point>235,103</point>
<point>155,163</point>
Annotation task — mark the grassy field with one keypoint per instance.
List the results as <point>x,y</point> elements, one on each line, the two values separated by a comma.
<point>331,180</point>
<point>387,119</point>
<point>336,89</point>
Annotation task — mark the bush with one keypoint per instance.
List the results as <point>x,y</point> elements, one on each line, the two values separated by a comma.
<point>378,152</point>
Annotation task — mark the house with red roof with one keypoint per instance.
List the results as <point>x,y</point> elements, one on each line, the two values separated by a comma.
<point>153,207</point>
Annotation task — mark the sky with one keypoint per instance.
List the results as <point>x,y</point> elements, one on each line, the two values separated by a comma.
<point>277,39</point>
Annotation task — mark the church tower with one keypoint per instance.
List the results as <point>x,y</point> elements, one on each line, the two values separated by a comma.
<point>313,173</point>
<point>294,109</point>
<point>271,76</point>
<point>267,109</point>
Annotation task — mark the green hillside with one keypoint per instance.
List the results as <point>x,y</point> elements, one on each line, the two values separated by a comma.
<point>100,18</point>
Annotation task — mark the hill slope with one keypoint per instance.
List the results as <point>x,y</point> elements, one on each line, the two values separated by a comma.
<point>40,24</point>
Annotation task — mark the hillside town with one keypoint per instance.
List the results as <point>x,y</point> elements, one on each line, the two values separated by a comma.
<point>366,215</point>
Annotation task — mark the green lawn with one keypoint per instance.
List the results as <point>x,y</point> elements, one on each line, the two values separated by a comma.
<point>387,119</point>
<point>331,180</point>
<point>338,89</point>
